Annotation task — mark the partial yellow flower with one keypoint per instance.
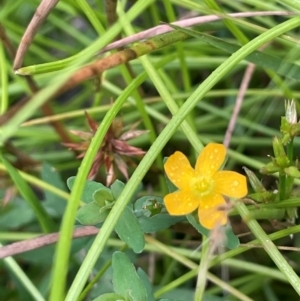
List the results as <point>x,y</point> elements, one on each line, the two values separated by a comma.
<point>204,186</point>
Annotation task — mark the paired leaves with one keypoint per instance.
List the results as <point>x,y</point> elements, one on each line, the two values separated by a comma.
<point>100,201</point>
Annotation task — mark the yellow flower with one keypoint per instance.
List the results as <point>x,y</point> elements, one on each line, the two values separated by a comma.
<point>204,186</point>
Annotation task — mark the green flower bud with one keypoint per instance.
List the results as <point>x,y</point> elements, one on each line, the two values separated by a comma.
<point>254,181</point>
<point>281,159</point>
<point>152,207</point>
<point>278,147</point>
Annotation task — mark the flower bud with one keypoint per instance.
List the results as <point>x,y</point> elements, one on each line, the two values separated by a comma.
<point>152,207</point>
<point>254,181</point>
<point>281,159</point>
<point>290,111</point>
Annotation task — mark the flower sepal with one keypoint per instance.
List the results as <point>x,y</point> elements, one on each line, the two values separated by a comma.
<point>254,181</point>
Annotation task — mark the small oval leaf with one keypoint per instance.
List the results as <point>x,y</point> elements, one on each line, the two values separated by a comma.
<point>90,214</point>
<point>89,188</point>
<point>102,195</point>
<point>129,230</point>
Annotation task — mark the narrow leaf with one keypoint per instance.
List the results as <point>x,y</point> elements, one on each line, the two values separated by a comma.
<point>52,201</point>
<point>282,67</point>
<point>25,190</point>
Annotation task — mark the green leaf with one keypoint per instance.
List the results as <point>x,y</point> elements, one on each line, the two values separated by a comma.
<point>89,188</point>
<point>109,297</point>
<point>129,230</point>
<point>90,214</point>
<point>25,190</point>
<point>102,196</point>
<point>263,60</point>
<point>231,241</point>
<point>147,284</point>
<point>158,222</point>
<point>10,217</point>
<point>193,220</point>
<point>125,278</point>
<point>53,203</point>
<point>117,188</point>
<point>171,300</point>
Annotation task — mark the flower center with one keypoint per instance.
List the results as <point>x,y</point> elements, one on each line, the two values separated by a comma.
<point>203,185</point>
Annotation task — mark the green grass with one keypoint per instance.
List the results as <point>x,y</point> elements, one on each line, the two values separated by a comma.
<point>181,88</point>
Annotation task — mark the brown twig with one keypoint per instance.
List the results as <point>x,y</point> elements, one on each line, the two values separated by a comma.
<point>42,241</point>
<point>126,55</point>
<point>160,29</point>
<point>111,11</point>
<point>238,103</point>
<point>37,20</point>
<point>6,41</point>
<point>94,69</point>
<point>248,245</point>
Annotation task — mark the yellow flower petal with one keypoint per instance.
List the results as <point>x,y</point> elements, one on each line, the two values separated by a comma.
<point>179,170</point>
<point>210,159</point>
<point>231,184</point>
<point>181,203</point>
<point>212,212</point>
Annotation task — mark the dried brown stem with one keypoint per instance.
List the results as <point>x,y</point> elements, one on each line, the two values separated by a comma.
<point>111,11</point>
<point>160,29</point>
<point>37,20</point>
<point>42,241</point>
<point>6,42</point>
<point>94,69</point>
<point>239,101</point>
